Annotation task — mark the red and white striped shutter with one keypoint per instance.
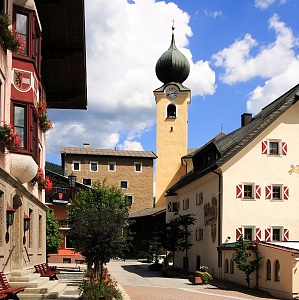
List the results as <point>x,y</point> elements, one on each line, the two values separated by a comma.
<point>284,147</point>
<point>169,206</point>
<point>285,235</point>
<point>268,234</point>
<point>285,193</point>
<point>239,191</point>
<point>265,147</point>
<point>257,191</point>
<point>268,192</point>
<point>239,232</point>
<point>258,234</point>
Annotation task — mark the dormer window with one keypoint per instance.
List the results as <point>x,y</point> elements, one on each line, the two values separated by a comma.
<point>171,111</point>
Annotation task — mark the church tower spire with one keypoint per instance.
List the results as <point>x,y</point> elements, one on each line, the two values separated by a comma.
<point>172,99</point>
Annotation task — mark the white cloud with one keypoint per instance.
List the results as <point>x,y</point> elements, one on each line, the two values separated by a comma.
<point>124,41</point>
<point>263,4</point>
<point>270,61</point>
<point>213,14</point>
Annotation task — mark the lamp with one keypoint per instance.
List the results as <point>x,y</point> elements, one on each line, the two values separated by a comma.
<point>9,215</point>
<point>26,222</point>
<point>72,180</point>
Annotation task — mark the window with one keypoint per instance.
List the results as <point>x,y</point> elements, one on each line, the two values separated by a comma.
<point>129,200</point>
<point>171,111</point>
<point>248,234</point>
<point>86,181</point>
<point>276,233</point>
<point>232,266</point>
<point>22,30</point>
<point>268,269</point>
<point>68,244</point>
<point>111,167</point>
<point>277,270</point>
<point>199,198</point>
<point>199,234</point>
<point>226,266</point>
<point>93,166</point>
<point>173,206</point>
<point>138,166</point>
<point>274,147</point>
<point>248,190</point>
<point>3,5</point>
<point>19,123</point>
<point>277,192</point>
<point>25,123</point>
<point>76,165</point>
<point>186,203</point>
<point>124,184</point>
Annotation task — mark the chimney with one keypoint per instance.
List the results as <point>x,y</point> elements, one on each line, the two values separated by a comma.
<point>245,119</point>
<point>85,145</point>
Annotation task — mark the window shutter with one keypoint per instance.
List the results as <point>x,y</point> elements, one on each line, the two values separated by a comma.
<point>285,235</point>
<point>268,192</point>
<point>239,232</point>
<point>239,191</point>
<point>265,147</point>
<point>169,206</point>
<point>257,191</point>
<point>284,147</point>
<point>285,193</point>
<point>258,234</point>
<point>268,234</point>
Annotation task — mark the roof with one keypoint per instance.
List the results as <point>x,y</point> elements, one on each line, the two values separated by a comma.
<point>180,86</point>
<point>107,152</point>
<point>229,145</point>
<point>148,212</point>
<point>63,53</point>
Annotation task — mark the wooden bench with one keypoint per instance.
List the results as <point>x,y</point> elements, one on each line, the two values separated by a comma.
<point>8,290</point>
<point>48,268</point>
<point>39,269</point>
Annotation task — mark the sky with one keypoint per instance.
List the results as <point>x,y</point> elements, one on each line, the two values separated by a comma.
<point>242,54</point>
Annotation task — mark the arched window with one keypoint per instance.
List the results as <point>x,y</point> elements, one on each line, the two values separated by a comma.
<point>268,269</point>
<point>226,266</point>
<point>171,111</point>
<point>277,270</point>
<point>232,267</point>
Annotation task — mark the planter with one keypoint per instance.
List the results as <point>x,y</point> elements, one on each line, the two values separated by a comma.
<point>195,280</point>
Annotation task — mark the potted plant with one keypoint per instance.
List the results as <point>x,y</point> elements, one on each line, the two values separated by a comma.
<point>9,139</point>
<point>44,123</point>
<point>43,181</point>
<point>202,276</point>
<point>8,38</point>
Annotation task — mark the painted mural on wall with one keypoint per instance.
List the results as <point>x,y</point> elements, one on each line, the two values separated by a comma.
<point>210,216</point>
<point>294,169</point>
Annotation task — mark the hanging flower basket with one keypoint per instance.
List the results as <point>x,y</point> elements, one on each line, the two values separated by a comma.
<point>8,38</point>
<point>44,123</point>
<point>43,181</point>
<point>9,139</point>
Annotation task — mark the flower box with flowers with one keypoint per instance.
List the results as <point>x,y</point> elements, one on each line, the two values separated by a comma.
<point>9,139</point>
<point>44,123</point>
<point>202,276</point>
<point>43,181</point>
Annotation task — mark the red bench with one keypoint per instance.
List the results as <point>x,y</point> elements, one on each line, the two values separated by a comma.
<point>48,268</point>
<point>8,290</point>
<point>45,273</point>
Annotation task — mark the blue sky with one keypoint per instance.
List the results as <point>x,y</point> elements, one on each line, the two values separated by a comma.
<point>243,55</point>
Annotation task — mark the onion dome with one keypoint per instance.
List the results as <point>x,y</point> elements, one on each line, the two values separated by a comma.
<point>172,66</point>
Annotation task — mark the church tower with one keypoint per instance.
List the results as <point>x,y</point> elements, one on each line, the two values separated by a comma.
<point>172,100</point>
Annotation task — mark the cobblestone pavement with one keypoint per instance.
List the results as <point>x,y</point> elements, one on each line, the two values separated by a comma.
<point>138,283</point>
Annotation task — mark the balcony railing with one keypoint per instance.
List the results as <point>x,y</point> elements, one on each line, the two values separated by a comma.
<point>64,224</point>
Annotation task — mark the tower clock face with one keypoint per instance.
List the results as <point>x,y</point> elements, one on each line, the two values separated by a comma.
<point>171,93</point>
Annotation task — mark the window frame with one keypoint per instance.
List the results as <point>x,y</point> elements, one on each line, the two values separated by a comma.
<point>73,165</point>
<point>281,230</point>
<point>135,167</point>
<point>114,166</point>
<point>132,199</point>
<point>171,113</point>
<point>253,232</point>
<point>93,163</point>
<point>255,191</point>
<point>124,181</point>
<point>84,180</point>
<point>199,199</point>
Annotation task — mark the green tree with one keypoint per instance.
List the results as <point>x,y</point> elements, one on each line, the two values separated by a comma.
<point>99,225</point>
<point>243,261</point>
<point>175,234</point>
<point>54,237</point>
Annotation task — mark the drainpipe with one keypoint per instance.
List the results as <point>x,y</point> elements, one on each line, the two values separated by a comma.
<point>219,224</point>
